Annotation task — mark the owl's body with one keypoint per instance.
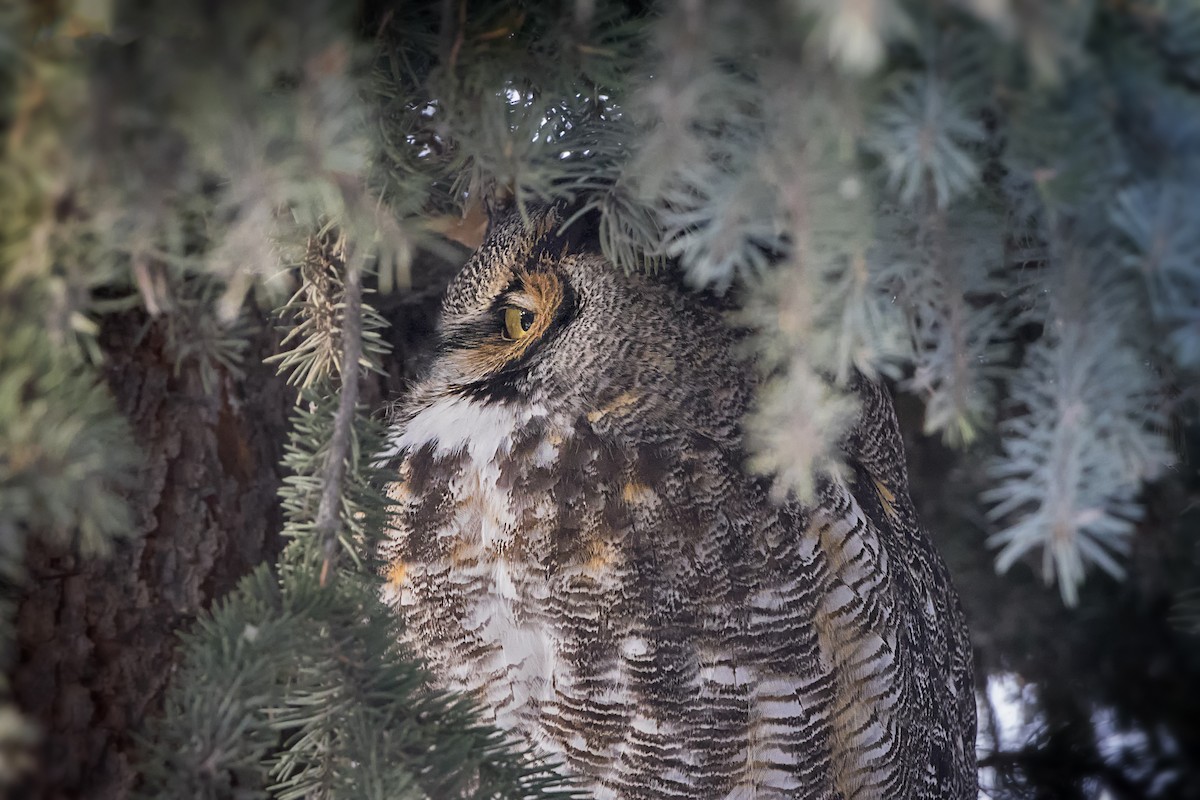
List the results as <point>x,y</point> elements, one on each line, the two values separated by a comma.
<point>579,545</point>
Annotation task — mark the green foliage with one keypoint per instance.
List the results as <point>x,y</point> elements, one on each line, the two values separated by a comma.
<point>925,134</point>
<point>67,457</point>
<point>294,689</point>
<point>363,510</point>
<point>950,279</point>
<point>514,95</point>
<point>1085,434</point>
<point>65,454</point>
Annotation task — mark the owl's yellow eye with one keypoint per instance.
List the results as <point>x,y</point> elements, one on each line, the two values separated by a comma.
<point>517,322</point>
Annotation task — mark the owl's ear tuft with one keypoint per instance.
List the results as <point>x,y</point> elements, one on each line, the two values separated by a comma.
<point>468,229</point>
<point>488,203</point>
<point>576,230</point>
<point>499,201</point>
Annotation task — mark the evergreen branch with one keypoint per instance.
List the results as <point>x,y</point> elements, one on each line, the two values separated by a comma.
<point>1088,431</point>
<point>1161,226</point>
<point>856,34</point>
<point>925,136</point>
<point>958,329</point>
<point>288,688</point>
<point>1064,145</point>
<point>797,428</point>
<point>1185,611</point>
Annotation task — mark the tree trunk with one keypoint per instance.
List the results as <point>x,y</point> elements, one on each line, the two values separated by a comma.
<point>97,636</point>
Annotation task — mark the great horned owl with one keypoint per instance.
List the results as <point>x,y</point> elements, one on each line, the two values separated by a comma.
<point>578,545</point>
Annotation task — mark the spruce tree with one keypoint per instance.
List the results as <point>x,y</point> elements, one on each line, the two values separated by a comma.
<point>992,206</point>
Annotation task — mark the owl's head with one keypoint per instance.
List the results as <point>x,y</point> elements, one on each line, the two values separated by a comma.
<point>538,322</point>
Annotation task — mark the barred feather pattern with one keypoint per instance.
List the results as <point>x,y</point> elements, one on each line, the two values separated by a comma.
<point>577,544</point>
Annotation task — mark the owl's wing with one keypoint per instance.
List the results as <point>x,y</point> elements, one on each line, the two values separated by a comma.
<point>939,669</point>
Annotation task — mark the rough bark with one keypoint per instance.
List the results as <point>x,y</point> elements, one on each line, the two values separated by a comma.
<point>97,636</point>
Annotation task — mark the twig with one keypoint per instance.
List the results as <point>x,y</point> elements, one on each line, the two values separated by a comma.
<point>458,37</point>
<point>328,522</point>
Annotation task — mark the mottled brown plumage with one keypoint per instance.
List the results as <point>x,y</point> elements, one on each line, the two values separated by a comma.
<point>578,544</point>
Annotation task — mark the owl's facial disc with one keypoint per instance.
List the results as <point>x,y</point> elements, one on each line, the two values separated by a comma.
<point>486,349</point>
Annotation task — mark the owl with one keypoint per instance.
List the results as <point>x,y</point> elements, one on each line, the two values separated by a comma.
<point>577,544</point>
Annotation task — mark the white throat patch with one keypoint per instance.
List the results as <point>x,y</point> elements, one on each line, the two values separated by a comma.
<point>455,422</point>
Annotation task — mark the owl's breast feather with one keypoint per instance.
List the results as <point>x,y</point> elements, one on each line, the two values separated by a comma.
<point>455,422</point>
